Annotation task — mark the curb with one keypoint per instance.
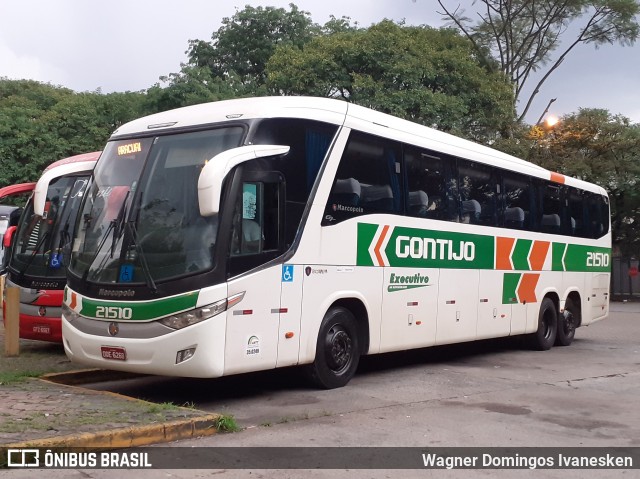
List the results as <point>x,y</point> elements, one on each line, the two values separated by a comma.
<point>125,437</point>
<point>85,376</point>
<point>134,436</point>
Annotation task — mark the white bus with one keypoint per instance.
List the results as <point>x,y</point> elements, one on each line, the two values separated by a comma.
<point>258,233</point>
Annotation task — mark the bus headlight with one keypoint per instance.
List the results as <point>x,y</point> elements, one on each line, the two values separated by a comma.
<point>182,320</point>
<point>68,313</point>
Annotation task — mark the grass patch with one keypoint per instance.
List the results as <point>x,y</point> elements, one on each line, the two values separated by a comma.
<point>12,377</point>
<point>226,424</point>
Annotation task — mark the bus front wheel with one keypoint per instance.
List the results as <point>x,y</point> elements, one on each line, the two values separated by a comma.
<point>545,336</point>
<point>337,350</point>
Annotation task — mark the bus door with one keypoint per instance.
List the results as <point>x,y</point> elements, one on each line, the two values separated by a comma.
<point>458,297</point>
<point>257,238</point>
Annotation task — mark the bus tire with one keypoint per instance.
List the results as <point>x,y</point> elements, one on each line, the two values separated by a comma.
<point>545,336</point>
<point>337,350</point>
<point>566,324</point>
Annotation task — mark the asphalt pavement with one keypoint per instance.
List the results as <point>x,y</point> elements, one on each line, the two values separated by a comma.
<point>58,411</point>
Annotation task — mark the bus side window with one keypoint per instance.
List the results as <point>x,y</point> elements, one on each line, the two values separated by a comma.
<point>598,214</point>
<point>576,212</point>
<point>367,180</point>
<point>551,209</point>
<point>257,219</point>
<point>427,178</point>
<point>517,199</point>
<point>477,192</point>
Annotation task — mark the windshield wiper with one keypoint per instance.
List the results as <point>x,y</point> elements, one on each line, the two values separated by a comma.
<point>112,227</point>
<point>118,230</point>
<point>33,255</point>
<point>143,259</point>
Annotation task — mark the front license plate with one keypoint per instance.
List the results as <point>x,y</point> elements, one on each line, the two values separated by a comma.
<point>42,329</point>
<point>113,353</point>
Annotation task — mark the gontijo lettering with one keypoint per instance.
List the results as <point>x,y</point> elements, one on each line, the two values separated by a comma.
<point>430,248</point>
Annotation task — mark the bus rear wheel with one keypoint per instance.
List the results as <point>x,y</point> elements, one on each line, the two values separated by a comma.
<point>337,350</point>
<point>545,336</point>
<point>567,324</point>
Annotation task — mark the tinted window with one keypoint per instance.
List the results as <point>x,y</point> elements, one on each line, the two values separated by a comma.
<point>477,191</point>
<point>576,212</point>
<point>518,202</point>
<point>550,217</point>
<point>309,142</point>
<point>367,181</point>
<point>429,182</point>
<point>598,215</point>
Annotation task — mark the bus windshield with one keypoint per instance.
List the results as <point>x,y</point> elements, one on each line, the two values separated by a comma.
<point>140,222</point>
<point>43,242</point>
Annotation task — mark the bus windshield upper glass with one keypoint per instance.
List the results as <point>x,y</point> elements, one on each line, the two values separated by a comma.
<point>44,242</point>
<point>141,222</point>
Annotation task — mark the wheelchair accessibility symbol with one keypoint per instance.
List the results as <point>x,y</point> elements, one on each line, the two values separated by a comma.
<point>126,273</point>
<point>56,261</point>
<point>287,273</point>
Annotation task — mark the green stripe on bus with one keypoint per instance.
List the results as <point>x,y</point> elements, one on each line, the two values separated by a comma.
<point>587,258</point>
<point>520,255</point>
<point>509,286</point>
<point>138,310</point>
<point>557,253</point>
<point>366,233</point>
<point>421,248</point>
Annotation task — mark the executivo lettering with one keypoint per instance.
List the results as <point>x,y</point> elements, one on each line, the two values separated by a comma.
<point>399,282</point>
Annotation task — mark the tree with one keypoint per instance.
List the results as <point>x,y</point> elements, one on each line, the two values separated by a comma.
<point>41,123</point>
<point>524,35</point>
<point>245,42</point>
<point>602,148</point>
<point>429,76</point>
<point>191,86</point>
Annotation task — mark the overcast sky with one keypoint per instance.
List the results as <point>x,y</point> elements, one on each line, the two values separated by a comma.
<point>121,45</point>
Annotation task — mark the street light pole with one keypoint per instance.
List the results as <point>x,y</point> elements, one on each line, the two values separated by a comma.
<point>546,110</point>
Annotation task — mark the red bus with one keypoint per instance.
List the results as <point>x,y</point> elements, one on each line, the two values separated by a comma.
<point>40,246</point>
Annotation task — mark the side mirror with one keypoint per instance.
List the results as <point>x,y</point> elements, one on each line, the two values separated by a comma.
<point>8,236</point>
<point>216,169</point>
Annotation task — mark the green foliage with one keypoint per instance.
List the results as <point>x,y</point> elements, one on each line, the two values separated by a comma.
<point>601,148</point>
<point>225,423</point>
<point>11,377</point>
<point>245,42</point>
<point>429,76</point>
<point>191,86</point>
<point>41,123</point>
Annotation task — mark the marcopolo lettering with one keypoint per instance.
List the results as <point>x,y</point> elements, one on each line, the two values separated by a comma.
<point>429,248</point>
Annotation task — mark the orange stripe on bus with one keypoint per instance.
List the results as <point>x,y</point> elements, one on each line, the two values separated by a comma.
<point>557,177</point>
<point>527,288</point>
<point>538,255</point>
<point>73,303</point>
<point>385,228</point>
<point>503,253</point>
